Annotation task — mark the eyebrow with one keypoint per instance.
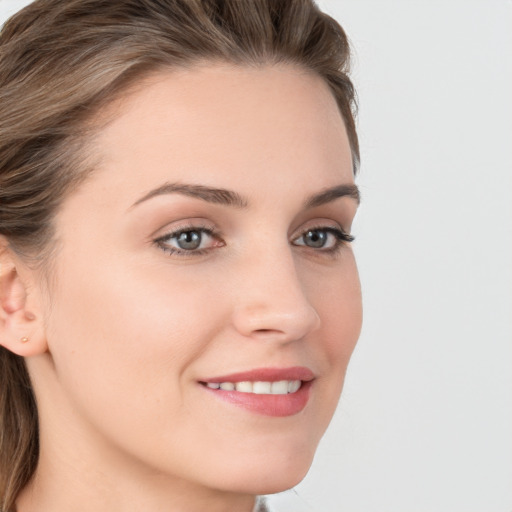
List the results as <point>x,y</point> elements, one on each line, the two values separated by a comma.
<point>328,195</point>
<point>226,197</point>
<point>210,194</point>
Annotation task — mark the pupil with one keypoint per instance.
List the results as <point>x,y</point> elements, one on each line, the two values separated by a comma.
<point>189,240</point>
<point>315,238</point>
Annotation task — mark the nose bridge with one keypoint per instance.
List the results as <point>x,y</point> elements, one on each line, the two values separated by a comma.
<point>272,301</point>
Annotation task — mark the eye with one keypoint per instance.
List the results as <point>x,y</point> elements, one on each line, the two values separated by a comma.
<point>327,239</point>
<point>189,241</point>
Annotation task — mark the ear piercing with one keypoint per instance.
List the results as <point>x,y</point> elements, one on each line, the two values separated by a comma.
<point>24,339</point>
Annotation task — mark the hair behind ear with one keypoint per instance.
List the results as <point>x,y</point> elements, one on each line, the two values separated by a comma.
<point>19,439</point>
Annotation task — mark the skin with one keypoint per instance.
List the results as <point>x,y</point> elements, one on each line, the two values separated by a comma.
<point>123,332</point>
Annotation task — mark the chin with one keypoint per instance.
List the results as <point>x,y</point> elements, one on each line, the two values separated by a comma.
<point>272,474</point>
<point>280,483</point>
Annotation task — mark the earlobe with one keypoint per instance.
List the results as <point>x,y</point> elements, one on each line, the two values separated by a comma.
<point>21,328</point>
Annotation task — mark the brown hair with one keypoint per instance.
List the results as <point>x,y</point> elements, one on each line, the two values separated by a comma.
<point>60,63</point>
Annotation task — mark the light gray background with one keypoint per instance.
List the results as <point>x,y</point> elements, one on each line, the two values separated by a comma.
<point>425,421</point>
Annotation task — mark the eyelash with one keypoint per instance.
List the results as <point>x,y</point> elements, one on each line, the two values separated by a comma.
<point>342,239</point>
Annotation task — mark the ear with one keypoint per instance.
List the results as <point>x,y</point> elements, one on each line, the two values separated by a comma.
<point>21,319</point>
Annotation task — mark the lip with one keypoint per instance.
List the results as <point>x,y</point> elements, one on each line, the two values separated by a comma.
<point>266,405</point>
<point>266,375</point>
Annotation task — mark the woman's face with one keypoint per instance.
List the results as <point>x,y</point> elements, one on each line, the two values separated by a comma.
<point>208,248</point>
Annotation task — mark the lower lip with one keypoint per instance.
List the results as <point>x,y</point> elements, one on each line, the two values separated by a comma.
<point>267,405</point>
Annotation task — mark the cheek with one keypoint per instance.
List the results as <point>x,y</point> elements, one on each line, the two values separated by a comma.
<point>337,300</point>
<point>345,312</point>
<point>127,331</point>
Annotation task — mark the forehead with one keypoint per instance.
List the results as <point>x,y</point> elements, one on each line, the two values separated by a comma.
<point>220,124</point>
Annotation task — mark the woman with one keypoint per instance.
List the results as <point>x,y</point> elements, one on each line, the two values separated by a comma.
<point>179,299</point>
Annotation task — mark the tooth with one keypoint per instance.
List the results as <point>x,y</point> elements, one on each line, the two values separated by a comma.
<point>293,386</point>
<point>244,387</point>
<point>279,388</point>
<point>261,388</point>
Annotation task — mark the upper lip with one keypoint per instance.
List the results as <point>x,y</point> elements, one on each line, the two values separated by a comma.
<point>266,375</point>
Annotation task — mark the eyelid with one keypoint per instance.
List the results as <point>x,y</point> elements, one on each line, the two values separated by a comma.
<point>321,224</point>
<point>180,225</point>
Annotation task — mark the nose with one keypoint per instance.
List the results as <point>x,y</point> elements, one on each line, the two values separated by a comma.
<point>271,302</point>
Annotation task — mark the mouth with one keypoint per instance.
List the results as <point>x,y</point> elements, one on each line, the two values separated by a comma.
<point>267,391</point>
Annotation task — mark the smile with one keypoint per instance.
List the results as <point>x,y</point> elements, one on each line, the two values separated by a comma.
<point>271,392</point>
<point>281,387</point>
